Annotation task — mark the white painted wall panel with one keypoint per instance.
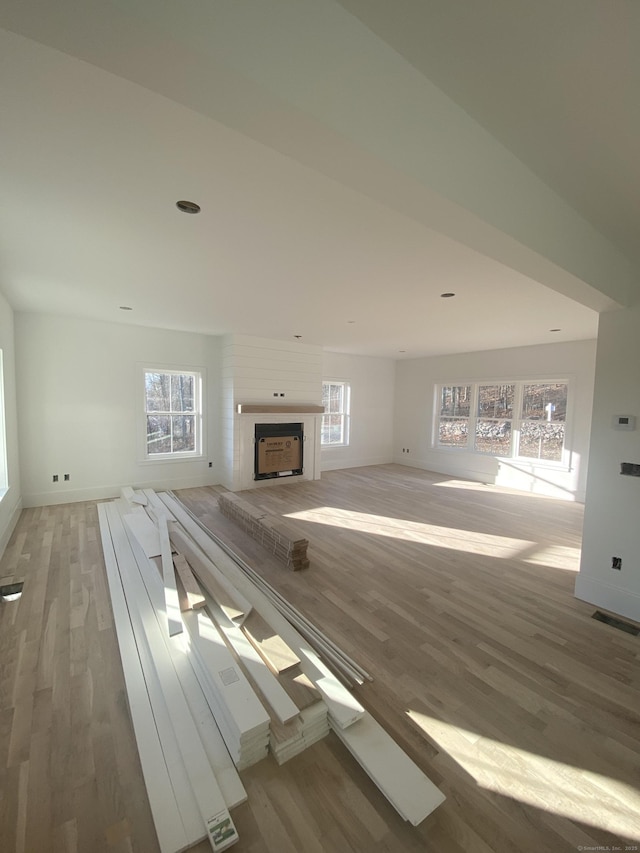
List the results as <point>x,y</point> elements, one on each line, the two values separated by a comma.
<point>372,383</point>
<point>80,406</point>
<point>612,511</point>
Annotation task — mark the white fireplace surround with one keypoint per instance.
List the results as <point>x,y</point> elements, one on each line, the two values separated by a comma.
<point>244,447</point>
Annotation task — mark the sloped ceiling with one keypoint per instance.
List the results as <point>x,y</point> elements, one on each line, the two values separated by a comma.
<point>348,169</point>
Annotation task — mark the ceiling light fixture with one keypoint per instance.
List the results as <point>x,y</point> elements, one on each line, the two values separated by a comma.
<point>188,206</point>
<point>125,308</point>
<point>446,295</point>
<point>298,337</point>
<point>555,330</point>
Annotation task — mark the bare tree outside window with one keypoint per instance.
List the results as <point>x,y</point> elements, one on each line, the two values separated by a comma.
<point>172,412</point>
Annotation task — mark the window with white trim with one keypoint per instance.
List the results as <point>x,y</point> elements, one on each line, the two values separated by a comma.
<point>524,419</point>
<point>173,413</point>
<point>335,421</point>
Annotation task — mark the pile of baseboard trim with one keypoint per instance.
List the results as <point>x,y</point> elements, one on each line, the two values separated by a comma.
<point>270,531</point>
<point>220,669</point>
<point>190,779</point>
<point>402,782</point>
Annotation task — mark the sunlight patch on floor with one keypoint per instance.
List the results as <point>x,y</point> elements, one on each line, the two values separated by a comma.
<point>552,786</point>
<point>556,557</point>
<point>469,541</point>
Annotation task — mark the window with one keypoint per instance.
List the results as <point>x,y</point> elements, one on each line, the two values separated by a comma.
<point>335,421</point>
<point>173,413</point>
<point>513,419</point>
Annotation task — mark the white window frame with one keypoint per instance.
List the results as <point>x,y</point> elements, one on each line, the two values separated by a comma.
<point>516,420</point>
<point>199,375</point>
<point>345,414</point>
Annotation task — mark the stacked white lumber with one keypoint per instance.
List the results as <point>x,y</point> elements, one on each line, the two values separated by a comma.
<point>270,531</point>
<point>343,707</point>
<point>178,647</point>
<point>406,787</point>
<point>186,800</point>
<point>241,718</point>
<point>291,739</point>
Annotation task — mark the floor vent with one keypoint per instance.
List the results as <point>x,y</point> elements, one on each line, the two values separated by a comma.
<point>617,623</point>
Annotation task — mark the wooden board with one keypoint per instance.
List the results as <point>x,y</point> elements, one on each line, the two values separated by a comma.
<point>219,758</point>
<point>269,644</point>
<point>234,604</point>
<point>193,594</point>
<point>164,808</point>
<point>275,695</point>
<point>145,532</point>
<point>172,604</point>
<point>344,708</point>
<point>201,789</point>
<point>399,778</point>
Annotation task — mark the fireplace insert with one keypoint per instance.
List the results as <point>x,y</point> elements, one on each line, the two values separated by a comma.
<point>278,450</point>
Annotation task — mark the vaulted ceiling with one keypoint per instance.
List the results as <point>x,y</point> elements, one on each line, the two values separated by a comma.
<point>353,161</point>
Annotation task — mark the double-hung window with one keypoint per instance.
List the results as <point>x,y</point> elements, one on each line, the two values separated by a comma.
<point>522,419</point>
<point>335,421</point>
<point>173,413</point>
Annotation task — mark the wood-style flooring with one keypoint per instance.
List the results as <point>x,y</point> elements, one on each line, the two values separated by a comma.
<point>457,597</point>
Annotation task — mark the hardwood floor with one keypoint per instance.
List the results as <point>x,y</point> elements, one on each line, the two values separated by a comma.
<point>457,597</point>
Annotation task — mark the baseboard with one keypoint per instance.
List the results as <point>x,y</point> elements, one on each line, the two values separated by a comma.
<point>5,534</point>
<point>98,493</point>
<point>615,599</point>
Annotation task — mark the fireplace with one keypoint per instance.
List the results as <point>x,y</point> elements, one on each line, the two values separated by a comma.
<point>278,450</point>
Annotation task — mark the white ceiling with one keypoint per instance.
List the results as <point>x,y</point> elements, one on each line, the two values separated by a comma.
<point>111,110</point>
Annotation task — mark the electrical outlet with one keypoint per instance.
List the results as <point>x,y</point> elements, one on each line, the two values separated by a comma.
<point>55,478</point>
<point>67,477</point>
<point>616,563</point>
<point>210,464</point>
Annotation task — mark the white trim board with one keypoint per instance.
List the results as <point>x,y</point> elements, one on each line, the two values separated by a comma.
<point>228,779</point>
<point>408,789</point>
<point>201,786</point>
<point>168,824</point>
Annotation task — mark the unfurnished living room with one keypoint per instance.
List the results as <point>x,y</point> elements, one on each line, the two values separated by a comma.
<point>319,426</point>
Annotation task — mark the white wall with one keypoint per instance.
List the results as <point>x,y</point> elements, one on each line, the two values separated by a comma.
<point>10,500</point>
<point>79,406</point>
<point>414,416</point>
<point>372,405</point>
<point>612,513</point>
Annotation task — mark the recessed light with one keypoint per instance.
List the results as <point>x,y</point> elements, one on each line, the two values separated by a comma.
<point>402,350</point>
<point>350,321</point>
<point>188,206</point>
<point>555,330</point>
<point>125,308</point>
<point>446,295</point>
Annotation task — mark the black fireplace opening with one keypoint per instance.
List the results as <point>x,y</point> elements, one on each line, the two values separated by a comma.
<point>278,450</point>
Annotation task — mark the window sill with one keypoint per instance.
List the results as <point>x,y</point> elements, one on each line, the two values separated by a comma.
<point>163,460</point>
<point>332,446</point>
<point>516,461</point>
